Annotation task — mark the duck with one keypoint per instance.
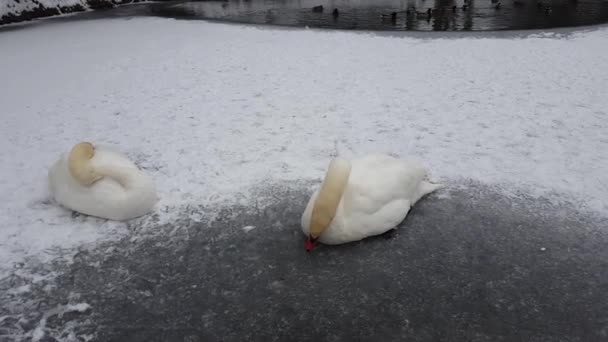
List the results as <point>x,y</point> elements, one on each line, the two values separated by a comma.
<point>317,8</point>
<point>392,16</point>
<point>99,181</point>
<point>363,197</point>
<point>335,13</point>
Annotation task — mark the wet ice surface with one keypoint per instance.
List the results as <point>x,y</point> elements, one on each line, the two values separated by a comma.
<point>468,263</point>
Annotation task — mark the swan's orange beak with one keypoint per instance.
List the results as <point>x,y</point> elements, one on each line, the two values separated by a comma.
<point>311,243</point>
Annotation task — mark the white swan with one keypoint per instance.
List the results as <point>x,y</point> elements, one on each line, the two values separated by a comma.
<point>101,182</point>
<point>367,197</point>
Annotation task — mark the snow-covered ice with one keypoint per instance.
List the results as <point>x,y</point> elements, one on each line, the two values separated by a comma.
<point>210,110</point>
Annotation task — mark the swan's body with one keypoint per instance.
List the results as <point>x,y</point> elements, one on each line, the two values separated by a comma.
<point>101,182</point>
<point>378,192</point>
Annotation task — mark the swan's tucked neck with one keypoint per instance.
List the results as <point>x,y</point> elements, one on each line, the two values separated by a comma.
<point>88,171</point>
<point>79,164</point>
<point>328,199</point>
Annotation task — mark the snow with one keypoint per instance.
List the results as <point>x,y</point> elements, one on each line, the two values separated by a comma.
<point>246,229</point>
<point>20,290</point>
<point>39,333</point>
<point>80,307</point>
<point>210,110</point>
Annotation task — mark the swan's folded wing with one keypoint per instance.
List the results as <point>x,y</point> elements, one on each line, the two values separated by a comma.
<point>377,181</point>
<point>380,193</point>
<point>381,220</point>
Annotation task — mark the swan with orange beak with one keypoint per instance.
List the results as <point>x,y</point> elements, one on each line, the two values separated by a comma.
<point>364,197</point>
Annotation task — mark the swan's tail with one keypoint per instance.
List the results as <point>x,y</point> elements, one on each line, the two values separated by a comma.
<point>427,187</point>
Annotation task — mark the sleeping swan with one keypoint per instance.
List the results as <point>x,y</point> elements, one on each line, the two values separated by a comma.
<point>362,198</point>
<point>100,182</point>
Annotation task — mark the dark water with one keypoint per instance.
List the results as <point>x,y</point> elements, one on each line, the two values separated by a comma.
<point>367,14</point>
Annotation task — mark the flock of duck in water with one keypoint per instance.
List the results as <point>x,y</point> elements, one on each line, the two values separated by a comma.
<point>428,14</point>
<point>357,199</point>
